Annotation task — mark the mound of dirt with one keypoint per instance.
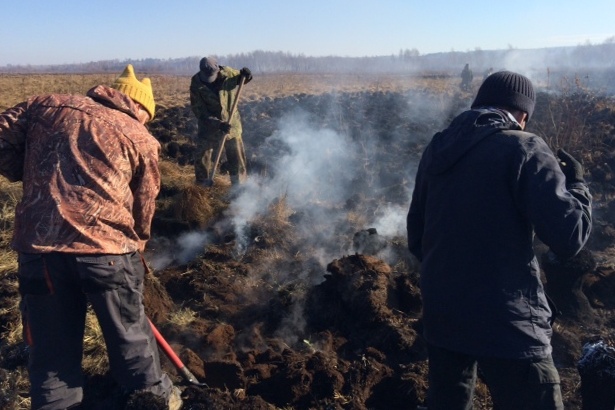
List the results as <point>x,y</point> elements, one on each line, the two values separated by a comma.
<point>273,329</point>
<point>300,292</point>
<point>363,351</point>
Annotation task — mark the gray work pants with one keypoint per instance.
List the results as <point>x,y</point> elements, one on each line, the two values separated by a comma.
<point>55,289</point>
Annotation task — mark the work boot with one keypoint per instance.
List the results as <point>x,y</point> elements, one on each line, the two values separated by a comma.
<point>206,183</point>
<point>235,180</point>
<point>175,399</point>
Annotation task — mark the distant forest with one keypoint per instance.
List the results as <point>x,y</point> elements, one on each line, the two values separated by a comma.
<point>577,59</point>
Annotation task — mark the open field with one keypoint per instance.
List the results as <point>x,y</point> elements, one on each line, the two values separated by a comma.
<point>173,90</point>
<point>279,296</point>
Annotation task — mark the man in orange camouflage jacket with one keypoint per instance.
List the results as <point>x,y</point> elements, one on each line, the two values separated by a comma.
<point>89,169</point>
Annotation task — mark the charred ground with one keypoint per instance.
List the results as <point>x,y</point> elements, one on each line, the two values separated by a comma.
<point>309,301</point>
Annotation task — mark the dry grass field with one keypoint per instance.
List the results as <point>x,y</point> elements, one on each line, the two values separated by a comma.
<point>278,295</point>
<point>173,90</point>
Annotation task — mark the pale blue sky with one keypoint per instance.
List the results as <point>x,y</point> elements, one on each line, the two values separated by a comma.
<point>77,31</point>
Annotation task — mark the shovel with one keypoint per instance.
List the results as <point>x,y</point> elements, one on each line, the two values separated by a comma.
<point>168,350</point>
<point>212,171</point>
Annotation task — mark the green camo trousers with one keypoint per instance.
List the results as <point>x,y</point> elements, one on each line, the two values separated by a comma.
<point>204,158</point>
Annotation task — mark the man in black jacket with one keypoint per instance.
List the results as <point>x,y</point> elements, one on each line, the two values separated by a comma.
<point>484,188</point>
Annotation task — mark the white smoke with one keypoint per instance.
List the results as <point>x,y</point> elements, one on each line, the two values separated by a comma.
<point>334,183</point>
<point>316,170</point>
<point>312,173</point>
<point>163,252</point>
<point>391,220</point>
<point>190,245</point>
<point>318,164</point>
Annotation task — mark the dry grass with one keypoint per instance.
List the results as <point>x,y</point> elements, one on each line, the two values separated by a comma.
<point>170,90</point>
<point>272,228</point>
<point>565,124</point>
<point>185,201</point>
<point>182,318</point>
<point>13,331</point>
<point>8,261</point>
<point>568,120</point>
<point>278,214</point>
<point>10,195</point>
<point>14,386</point>
<point>17,88</point>
<point>283,85</point>
<point>193,205</point>
<point>175,177</point>
<point>95,359</point>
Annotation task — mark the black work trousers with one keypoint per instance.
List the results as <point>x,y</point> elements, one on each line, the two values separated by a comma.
<point>55,290</point>
<point>514,384</point>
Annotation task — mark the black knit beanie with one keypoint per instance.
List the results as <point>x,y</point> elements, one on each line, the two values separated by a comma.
<point>507,89</point>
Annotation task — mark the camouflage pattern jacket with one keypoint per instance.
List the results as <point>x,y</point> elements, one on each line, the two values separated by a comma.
<point>211,108</point>
<point>89,170</point>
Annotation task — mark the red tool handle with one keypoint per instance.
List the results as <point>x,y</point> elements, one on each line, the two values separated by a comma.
<point>168,350</point>
<point>165,347</point>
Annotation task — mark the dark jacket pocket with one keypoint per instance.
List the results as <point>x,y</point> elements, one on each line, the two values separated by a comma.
<point>33,276</point>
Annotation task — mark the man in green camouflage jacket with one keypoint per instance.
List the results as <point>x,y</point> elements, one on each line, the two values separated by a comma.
<point>212,93</point>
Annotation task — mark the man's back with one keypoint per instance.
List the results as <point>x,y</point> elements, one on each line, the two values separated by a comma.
<point>85,167</point>
<point>476,201</point>
<point>482,189</point>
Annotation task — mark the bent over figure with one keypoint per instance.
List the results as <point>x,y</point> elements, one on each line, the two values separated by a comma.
<point>213,90</point>
<point>484,188</point>
<point>89,169</point>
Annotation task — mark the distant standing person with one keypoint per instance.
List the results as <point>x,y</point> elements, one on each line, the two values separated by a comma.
<point>212,93</point>
<point>466,78</point>
<point>89,169</point>
<point>487,73</point>
<point>483,189</point>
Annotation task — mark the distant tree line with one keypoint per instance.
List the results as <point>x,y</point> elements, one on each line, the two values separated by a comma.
<point>582,57</point>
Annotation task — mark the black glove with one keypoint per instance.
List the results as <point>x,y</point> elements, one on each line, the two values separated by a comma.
<point>570,167</point>
<point>225,127</point>
<point>246,73</point>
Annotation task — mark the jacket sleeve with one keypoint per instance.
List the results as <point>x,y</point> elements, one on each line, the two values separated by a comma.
<point>199,108</point>
<point>145,186</point>
<point>13,142</point>
<point>561,215</point>
<point>415,221</point>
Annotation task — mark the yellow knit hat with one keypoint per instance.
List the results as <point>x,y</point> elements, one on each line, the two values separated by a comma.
<point>139,91</point>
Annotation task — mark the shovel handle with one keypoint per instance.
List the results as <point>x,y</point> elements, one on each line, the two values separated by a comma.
<point>168,350</point>
<point>224,138</point>
<point>242,80</point>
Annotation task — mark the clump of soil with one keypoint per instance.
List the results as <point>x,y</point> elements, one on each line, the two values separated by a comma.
<point>304,303</point>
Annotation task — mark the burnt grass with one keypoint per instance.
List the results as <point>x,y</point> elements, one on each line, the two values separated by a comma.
<point>275,326</point>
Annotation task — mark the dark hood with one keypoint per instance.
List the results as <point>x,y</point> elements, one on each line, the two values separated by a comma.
<point>468,129</point>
